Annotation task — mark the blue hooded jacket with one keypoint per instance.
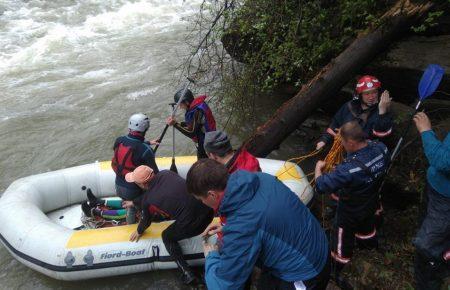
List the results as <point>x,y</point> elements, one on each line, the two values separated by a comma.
<point>267,225</point>
<point>438,155</point>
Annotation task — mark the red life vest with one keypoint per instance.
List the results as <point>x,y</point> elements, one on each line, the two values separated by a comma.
<point>244,161</point>
<point>122,162</point>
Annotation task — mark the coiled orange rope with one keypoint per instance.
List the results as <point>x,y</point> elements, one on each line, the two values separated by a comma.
<point>336,154</point>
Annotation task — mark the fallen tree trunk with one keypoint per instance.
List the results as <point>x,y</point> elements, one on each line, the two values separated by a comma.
<point>336,74</point>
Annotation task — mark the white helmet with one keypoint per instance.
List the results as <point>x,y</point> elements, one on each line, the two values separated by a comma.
<point>139,122</point>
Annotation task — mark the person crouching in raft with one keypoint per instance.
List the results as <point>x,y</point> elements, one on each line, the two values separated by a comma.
<point>198,119</point>
<point>166,198</point>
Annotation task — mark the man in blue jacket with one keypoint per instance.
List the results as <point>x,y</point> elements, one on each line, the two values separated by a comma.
<point>356,180</point>
<point>433,239</point>
<point>267,225</point>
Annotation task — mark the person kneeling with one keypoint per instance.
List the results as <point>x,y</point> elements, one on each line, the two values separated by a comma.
<point>165,198</point>
<point>267,225</point>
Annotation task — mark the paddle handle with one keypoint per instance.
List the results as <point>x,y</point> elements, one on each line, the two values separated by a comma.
<point>400,141</point>
<point>160,138</point>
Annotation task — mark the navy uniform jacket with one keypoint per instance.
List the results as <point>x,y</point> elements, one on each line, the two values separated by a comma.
<point>357,178</point>
<point>373,124</point>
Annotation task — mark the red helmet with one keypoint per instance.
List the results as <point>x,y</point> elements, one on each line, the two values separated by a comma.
<point>367,83</point>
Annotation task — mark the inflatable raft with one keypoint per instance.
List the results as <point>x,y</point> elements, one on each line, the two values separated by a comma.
<point>41,223</point>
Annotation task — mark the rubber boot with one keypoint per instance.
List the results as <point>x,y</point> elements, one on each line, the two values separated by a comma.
<point>93,200</point>
<point>87,210</point>
<point>336,276</point>
<point>188,276</point>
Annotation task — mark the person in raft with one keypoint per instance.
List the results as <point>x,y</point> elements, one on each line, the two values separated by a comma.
<point>131,151</point>
<point>356,180</point>
<point>108,209</point>
<point>198,119</point>
<point>166,198</point>
<point>267,225</point>
<point>432,242</point>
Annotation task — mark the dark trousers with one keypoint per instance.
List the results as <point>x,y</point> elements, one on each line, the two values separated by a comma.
<point>319,282</point>
<point>348,229</point>
<point>432,241</point>
<point>181,230</point>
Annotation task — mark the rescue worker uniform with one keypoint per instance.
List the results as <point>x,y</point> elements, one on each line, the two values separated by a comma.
<point>198,120</point>
<point>356,180</point>
<point>167,199</point>
<point>376,127</point>
<point>431,263</point>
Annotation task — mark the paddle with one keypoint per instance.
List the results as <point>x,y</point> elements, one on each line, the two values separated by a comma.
<point>174,110</point>
<point>173,167</point>
<point>428,84</point>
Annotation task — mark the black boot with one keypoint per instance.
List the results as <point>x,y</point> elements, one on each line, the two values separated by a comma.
<point>90,211</point>
<point>93,200</point>
<point>87,210</point>
<point>337,277</point>
<point>188,277</point>
<point>342,283</point>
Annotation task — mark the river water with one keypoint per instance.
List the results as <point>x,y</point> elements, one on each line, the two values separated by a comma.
<point>71,74</point>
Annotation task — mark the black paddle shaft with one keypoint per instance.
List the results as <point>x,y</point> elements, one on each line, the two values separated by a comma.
<point>174,109</point>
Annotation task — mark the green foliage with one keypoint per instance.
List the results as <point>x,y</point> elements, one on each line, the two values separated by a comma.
<point>430,21</point>
<point>288,41</point>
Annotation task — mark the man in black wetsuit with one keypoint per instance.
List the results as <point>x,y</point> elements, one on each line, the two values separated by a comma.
<point>166,198</point>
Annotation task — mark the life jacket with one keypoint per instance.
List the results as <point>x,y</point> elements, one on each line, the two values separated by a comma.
<point>360,115</point>
<point>122,161</point>
<point>243,160</point>
<point>199,104</point>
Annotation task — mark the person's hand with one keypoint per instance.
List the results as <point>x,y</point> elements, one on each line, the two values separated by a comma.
<point>207,248</point>
<point>422,122</point>
<point>154,142</point>
<point>171,121</point>
<point>127,204</point>
<point>319,167</point>
<point>135,236</point>
<point>385,103</point>
<point>212,229</point>
<point>320,145</point>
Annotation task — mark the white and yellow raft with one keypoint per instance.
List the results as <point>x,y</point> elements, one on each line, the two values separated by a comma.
<point>40,215</point>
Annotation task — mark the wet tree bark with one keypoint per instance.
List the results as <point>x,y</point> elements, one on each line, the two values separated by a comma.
<point>327,83</point>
